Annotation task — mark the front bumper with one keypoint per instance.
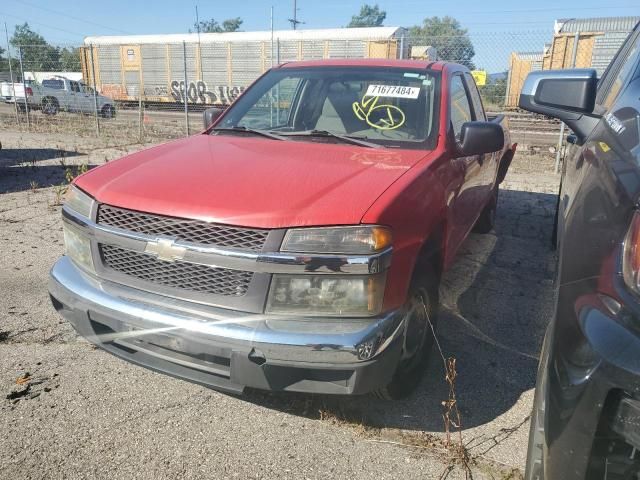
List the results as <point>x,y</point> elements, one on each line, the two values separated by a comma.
<point>225,349</point>
<point>578,407</point>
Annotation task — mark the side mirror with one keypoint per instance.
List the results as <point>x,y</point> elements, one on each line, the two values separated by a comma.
<point>477,138</point>
<point>210,115</point>
<point>568,95</point>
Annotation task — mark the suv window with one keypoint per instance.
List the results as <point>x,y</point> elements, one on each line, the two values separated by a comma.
<point>478,109</point>
<point>460,107</point>
<point>619,71</point>
<point>74,86</point>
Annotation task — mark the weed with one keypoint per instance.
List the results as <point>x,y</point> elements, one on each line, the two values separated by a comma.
<point>34,186</point>
<point>59,192</point>
<point>458,453</point>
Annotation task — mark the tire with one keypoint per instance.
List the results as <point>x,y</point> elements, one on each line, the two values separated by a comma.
<point>108,111</point>
<point>487,220</point>
<point>50,106</point>
<point>418,338</point>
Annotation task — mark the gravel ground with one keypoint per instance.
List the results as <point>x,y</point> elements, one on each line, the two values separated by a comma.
<point>68,410</point>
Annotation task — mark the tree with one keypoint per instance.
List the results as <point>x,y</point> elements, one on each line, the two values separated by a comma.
<point>369,16</point>
<point>451,41</point>
<point>37,54</point>
<point>70,60</point>
<point>212,25</point>
<point>4,62</point>
<point>232,24</point>
<point>494,92</point>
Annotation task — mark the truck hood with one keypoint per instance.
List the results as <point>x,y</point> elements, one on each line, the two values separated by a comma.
<point>251,181</point>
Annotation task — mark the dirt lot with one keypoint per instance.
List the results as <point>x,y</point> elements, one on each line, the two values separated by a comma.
<point>85,414</point>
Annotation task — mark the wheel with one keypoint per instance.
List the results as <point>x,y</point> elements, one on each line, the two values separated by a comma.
<point>418,339</point>
<point>487,220</point>
<point>50,106</point>
<point>108,111</point>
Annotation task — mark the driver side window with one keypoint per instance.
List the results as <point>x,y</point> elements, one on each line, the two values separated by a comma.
<point>460,107</point>
<point>273,109</point>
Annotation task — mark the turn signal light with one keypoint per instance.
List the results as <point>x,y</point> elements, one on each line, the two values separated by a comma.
<point>631,258</point>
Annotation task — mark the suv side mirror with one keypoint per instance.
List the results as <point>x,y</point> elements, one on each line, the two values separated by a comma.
<point>210,115</point>
<point>568,95</point>
<point>477,138</point>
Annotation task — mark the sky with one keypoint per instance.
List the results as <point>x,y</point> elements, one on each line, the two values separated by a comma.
<point>496,27</point>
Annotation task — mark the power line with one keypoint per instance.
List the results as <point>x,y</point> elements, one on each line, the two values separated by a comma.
<point>64,14</point>
<point>44,25</point>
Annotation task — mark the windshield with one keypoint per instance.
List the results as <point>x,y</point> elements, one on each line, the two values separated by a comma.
<point>392,107</point>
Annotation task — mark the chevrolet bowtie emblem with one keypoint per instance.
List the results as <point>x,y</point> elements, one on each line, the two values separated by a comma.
<point>165,250</point>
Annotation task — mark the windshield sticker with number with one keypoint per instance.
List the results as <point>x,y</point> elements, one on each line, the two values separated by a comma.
<point>381,117</point>
<point>396,91</point>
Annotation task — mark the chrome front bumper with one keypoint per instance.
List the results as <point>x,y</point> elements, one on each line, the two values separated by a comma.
<point>226,349</point>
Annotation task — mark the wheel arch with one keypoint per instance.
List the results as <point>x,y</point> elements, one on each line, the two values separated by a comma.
<point>431,255</point>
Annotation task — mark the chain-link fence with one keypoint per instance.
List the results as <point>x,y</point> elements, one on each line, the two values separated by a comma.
<point>158,90</point>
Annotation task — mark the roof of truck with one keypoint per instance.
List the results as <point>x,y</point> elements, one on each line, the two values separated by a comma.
<point>377,33</point>
<point>367,62</point>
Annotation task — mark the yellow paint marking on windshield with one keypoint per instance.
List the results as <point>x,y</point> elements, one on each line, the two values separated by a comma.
<point>381,117</point>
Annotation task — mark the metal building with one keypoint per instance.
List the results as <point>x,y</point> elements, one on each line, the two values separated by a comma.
<point>520,64</point>
<point>216,67</point>
<point>602,37</point>
<point>577,42</point>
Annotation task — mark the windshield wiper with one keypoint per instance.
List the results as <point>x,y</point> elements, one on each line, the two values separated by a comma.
<point>326,133</point>
<point>254,131</point>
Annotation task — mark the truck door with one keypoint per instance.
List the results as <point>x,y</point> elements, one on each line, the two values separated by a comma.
<point>488,161</point>
<point>87,103</point>
<point>75,97</point>
<point>466,204</point>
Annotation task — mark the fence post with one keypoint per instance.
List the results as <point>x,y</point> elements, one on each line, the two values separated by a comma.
<point>140,119</point>
<point>576,38</point>
<point>13,83</point>
<point>95,92</point>
<point>24,89</point>
<point>186,87</point>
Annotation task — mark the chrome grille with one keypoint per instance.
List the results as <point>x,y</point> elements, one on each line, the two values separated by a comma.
<point>181,275</point>
<point>192,231</point>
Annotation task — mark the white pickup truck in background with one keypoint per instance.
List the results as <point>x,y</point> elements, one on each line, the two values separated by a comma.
<point>56,94</point>
<point>8,95</point>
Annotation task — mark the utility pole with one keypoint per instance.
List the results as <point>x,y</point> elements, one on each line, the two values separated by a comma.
<point>294,21</point>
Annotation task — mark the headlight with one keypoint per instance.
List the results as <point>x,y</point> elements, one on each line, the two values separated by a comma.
<point>352,295</point>
<point>631,256</point>
<point>78,247</point>
<point>364,239</point>
<point>78,201</point>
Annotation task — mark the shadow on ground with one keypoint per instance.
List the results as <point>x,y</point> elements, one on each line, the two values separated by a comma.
<point>496,303</point>
<point>24,168</point>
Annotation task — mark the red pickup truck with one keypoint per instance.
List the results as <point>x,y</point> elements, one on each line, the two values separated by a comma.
<point>297,243</point>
